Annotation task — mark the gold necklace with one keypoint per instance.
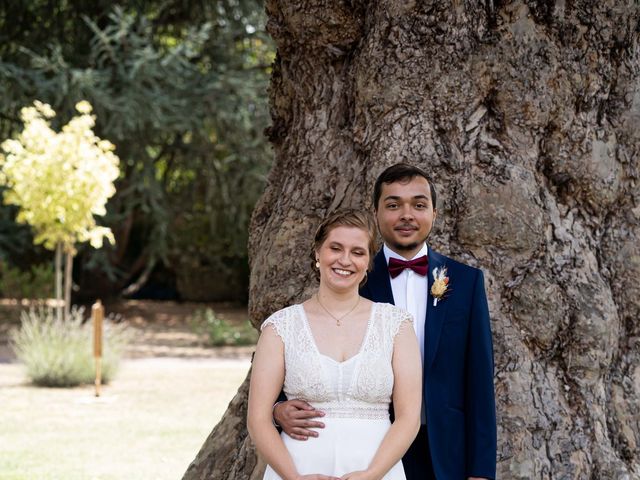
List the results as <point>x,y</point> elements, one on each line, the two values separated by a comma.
<point>332,315</point>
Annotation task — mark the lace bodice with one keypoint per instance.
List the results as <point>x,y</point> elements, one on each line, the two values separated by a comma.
<point>359,387</point>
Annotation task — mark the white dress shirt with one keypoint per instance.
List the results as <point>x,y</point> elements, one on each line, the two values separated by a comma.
<point>410,293</point>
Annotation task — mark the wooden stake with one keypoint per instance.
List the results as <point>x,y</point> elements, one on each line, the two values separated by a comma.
<point>97,314</point>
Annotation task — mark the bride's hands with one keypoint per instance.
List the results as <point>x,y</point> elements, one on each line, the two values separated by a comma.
<point>360,475</point>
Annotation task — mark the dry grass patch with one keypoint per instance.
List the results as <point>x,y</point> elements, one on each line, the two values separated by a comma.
<point>148,424</point>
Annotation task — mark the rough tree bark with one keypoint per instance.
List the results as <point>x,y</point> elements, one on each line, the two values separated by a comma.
<point>527,115</point>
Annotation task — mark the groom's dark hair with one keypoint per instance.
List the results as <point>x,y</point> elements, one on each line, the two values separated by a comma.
<point>398,173</point>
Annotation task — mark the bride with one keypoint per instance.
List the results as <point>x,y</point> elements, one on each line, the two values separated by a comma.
<point>346,356</point>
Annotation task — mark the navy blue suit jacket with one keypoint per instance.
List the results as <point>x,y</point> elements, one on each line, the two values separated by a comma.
<point>458,369</point>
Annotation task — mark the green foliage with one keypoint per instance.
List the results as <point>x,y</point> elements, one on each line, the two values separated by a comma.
<point>16,240</point>
<point>180,87</point>
<point>59,353</point>
<point>221,332</point>
<point>37,282</point>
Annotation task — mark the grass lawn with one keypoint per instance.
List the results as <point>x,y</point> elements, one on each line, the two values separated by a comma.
<point>147,425</point>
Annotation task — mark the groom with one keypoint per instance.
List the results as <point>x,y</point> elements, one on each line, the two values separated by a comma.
<point>457,438</point>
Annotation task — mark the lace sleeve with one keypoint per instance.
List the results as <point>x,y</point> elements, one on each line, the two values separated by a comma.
<point>399,319</point>
<point>278,321</point>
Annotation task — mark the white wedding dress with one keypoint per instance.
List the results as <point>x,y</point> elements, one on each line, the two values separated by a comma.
<point>354,394</point>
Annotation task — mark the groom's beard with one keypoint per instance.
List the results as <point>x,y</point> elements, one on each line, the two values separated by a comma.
<point>405,248</point>
<point>408,247</point>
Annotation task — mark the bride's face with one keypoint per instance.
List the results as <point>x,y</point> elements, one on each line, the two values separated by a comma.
<point>343,257</point>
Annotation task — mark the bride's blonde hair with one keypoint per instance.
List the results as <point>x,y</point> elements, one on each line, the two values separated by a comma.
<point>348,217</point>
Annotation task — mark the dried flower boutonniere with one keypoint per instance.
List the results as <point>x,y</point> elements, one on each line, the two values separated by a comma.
<point>440,284</point>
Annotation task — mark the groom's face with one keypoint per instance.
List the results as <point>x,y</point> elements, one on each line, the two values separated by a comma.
<point>405,215</point>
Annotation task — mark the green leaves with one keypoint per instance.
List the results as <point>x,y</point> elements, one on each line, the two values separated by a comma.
<point>59,180</point>
<point>180,87</point>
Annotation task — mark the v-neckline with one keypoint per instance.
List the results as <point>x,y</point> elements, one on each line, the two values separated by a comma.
<point>315,345</point>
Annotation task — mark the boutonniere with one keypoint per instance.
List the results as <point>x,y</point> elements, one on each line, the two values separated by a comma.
<point>440,284</point>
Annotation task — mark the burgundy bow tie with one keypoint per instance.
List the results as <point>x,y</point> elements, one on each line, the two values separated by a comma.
<point>418,265</point>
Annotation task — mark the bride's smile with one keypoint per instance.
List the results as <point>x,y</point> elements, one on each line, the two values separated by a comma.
<point>343,258</point>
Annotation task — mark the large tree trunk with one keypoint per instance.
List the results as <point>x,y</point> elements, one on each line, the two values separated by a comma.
<point>527,115</point>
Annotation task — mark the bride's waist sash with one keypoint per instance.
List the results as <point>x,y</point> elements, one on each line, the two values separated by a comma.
<point>353,409</point>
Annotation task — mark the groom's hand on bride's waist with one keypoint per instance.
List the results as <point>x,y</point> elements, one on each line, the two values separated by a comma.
<point>296,417</point>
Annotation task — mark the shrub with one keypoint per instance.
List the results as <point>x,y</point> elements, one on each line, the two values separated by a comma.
<point>60,353</point>
<point>220,332</point>
<point>35,283</point>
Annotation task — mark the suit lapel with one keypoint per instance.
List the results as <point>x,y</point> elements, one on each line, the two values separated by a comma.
<point>380,287</point>
<point>379,282</point>
<point>435,315</point>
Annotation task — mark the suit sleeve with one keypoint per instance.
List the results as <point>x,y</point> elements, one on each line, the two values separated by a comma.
<point>480,406</point>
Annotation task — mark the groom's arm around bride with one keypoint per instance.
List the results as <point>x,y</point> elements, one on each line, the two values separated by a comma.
<point>457,439</point>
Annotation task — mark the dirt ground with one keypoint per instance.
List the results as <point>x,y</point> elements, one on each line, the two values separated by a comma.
<point>160,329</point>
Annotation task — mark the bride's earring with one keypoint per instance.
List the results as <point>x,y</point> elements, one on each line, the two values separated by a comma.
<point>317,264</point>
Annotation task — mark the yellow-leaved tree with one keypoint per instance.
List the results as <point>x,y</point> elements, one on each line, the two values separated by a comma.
<point>60,181</point>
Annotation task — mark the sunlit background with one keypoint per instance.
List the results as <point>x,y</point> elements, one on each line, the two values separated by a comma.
<point>179,88</point>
